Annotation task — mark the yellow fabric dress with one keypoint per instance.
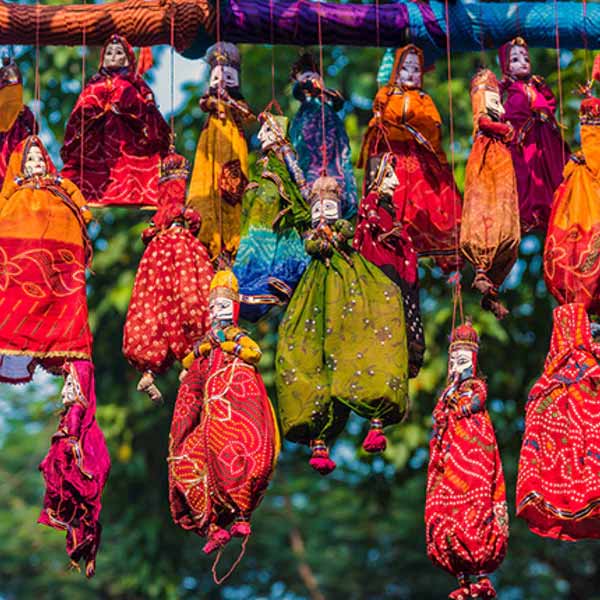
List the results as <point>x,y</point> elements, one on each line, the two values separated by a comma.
<point>220,175</point>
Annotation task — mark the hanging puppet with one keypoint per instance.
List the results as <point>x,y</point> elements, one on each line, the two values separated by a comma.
<point>571,265</point>
<point>538,150</point>
<point>220,170</point>
<point>44,251</point>
<point>76,468</point>
<point>342,343</point>
<point>224,441</point>
<point>466,516</point>
<point>16,120</point>
<point>406,122</point>
<point>122,133</point>
<point>271,257</point>
<point>385,242</point>
<point>558,492</point>
<point>168,311</point>
<point>490,231</point>
<point>316,118</point>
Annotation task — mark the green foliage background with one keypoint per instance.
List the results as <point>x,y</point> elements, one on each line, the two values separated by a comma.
<point>355,535</point>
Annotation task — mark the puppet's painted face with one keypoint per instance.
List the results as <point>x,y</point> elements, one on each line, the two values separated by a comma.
<point>221,309</point>
<point>267,136</point>
<point>519,65</point>
<point>308,76</point>
<point>224,76</point>
<point>410,74</point>
<point>115,57</point>
<point>459,361</point>
<point>493,105</point>
<point>69,391</point>
<point>327,209</point>
<point>35,163</point>
<point>389,182</point>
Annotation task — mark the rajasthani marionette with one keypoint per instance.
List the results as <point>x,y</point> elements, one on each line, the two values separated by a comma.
<point>317,124</point>
<point>168,311</point>
<point>76,468</point>
<point>342,343</point>
<point>271,257</point>
<point>406,122</point>
<point>538,150</point>
<point>122,132</point>
<point>16,120</point>
<point>466,517</point>
<point>490,231</point>
<point>220,170</point>
<point>558,491</point>
<point>224,441</point>
<point>44,251</point>
<point>571,255</point>
<point>385,242</point>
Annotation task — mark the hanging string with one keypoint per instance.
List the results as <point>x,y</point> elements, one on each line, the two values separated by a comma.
<point>36,86</point>
<point>377,32</point>
<point>323,131</point>
<point>482,56</point>
<point>273,102</point>
<point>172,74</point>
<point>585,42</point>
<point>221,257</point>
<point>455,279</point>
<point>560,89</point>
<point>82,127</point>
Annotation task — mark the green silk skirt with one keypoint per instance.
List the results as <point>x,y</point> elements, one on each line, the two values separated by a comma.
<point>342,346</point>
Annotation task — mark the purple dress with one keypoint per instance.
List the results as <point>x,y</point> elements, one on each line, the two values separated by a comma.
<point>538,151</point>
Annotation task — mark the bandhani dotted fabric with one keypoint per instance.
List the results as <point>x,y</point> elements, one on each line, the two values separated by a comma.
<point>407,123</point>
<point>538,150</point>
<point>44,251</point>
<point>76,468</point>
<point>558,486</point>
<point>385,242</point>
<point>168,311</point>
<point>490,229</point>
<point>220,171</point>
<point>572,250</point>
<point>123,136</point>
<point>466,516</point>
<point>16,120</point>
<point>224,440</point>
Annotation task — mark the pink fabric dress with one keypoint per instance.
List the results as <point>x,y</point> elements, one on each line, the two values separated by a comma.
<point>75,471</point>
<point>538,151</point>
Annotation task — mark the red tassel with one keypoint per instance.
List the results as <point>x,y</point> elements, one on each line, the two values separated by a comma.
<point>217,539</point>
<point>482,590</point>
<point>145,60</point>
<point>320,460</point>
<point>241,529</point>
<point>375,440</point>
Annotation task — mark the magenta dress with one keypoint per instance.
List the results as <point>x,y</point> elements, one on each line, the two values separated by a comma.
<point>538,151</point>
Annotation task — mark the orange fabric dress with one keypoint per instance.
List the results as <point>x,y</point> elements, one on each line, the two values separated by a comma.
<point>572,252</point>
<point>44,251</point>
<point>407,123</point>
<point>490,229</point>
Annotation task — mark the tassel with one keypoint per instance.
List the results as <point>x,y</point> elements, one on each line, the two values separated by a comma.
<point>241,529</point>
<point>482,590</point>
<point>320,460</point>
<point>375,440</point>
<point>145,60</point>
<point>217,538</point>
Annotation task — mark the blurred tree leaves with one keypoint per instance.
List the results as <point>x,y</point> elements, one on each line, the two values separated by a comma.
<point>355,535</point>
